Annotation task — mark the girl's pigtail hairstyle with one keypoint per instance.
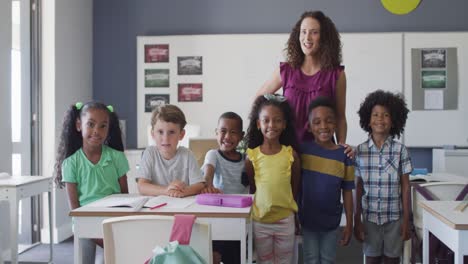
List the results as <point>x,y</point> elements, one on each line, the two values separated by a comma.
<point>71,139</point>
<point>288,137</point>
<point>70,142</point>
<point>254,137</point>
<point>114,138</point>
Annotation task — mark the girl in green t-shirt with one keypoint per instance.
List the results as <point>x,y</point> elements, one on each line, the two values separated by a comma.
<point>90,160</point>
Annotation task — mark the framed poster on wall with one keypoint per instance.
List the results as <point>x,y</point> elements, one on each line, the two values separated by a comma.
<point>434,78</point>
<point>190,92</point>
<point>156,53</point>
<point>156,77</point>
<point>155,100</point>
<point>190,65</point>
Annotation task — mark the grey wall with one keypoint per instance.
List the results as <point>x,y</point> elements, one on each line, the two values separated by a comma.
<point>5,115</point>
<point>73,80</point>
<point>66,79</point>
<point>5,87</point>
<point>118,22</point>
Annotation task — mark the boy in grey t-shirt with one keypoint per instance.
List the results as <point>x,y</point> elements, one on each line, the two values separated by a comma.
<point>223,169</point>
<point>227,173</point>
<point>166,169</point>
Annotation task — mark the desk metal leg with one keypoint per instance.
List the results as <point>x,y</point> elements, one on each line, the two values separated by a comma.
<point>14,230</point>
<point>1,247</point>
<point>51,244</point>
<point>1,252</point>
<point>243,235</point>
<point>405,259</point>
<point>249,242</point>
<point>425,244</point>
<point>462,245</point>
<point>78,256</point>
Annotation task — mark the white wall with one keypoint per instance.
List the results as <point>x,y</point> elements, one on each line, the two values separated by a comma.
<point>5,112</point>
<point>230,79</point>
<point>67,78</point>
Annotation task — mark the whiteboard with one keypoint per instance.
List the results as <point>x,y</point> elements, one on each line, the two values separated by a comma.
<point>235,67</point>
<point>427,128</point>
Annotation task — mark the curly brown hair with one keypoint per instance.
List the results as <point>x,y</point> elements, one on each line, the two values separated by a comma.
<point>395,104</point>
<point>330,43</point>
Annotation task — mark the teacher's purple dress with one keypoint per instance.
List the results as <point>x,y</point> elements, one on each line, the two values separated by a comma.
<point>300,89</point>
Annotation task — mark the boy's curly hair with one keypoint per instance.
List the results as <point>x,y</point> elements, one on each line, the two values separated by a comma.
<point>254,137</point>
<point>395,104</point>
<point>329,46</point>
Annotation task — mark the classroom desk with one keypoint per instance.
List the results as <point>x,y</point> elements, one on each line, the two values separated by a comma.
<point>12,190</point>
<point>445,177</point>
<point>432,177</point>
<point>448,225</point>
<point>226,223</point>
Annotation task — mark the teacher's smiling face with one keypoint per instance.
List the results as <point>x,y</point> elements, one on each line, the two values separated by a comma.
<point>309,36</point>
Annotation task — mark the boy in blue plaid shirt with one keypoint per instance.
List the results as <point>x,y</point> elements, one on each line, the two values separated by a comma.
<point>382,173</point>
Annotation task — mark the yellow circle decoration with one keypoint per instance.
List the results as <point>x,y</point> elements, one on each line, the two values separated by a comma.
<point>400,7</point>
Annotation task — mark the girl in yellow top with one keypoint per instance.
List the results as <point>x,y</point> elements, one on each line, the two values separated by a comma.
<point>273,168</point>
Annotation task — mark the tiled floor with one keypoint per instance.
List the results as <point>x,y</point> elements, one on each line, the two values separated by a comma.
<point>63,253</point>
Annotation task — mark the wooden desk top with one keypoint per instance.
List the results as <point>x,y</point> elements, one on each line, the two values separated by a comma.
<point>445,212</point>
<point>195,209</point>
<point>16,181</point>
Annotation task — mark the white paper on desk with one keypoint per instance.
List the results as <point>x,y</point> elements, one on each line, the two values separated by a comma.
<point>133,202</point>
<point>172,202</point>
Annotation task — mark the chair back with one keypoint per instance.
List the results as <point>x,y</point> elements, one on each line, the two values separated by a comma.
<point>131,239</point>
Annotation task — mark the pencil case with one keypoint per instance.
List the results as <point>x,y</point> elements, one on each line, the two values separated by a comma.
<point>226,200</point>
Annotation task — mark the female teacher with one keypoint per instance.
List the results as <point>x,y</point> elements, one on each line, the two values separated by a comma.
<point>312,69</point>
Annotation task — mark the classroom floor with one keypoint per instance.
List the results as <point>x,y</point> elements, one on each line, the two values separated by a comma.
<point>63,253</point>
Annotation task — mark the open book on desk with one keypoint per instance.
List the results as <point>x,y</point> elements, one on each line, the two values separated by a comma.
<point>135,202</point>
<point>422,178</point>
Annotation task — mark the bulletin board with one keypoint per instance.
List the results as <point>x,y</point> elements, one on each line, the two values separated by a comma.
<point>444,120</point>
<point>222,73</point>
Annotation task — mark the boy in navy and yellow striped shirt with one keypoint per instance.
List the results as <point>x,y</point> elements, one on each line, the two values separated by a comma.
<point>327,173</point>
